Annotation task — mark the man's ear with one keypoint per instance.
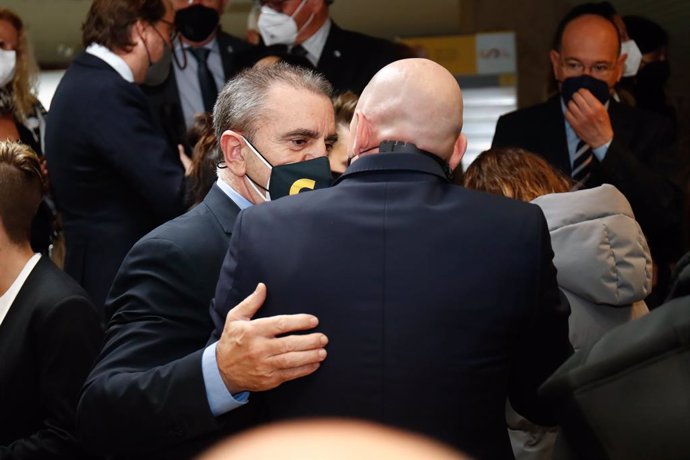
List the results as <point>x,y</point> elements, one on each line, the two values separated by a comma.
<point>232,147</point>
<point>555,58</point>
<point>459,149</point>
<point>362,133</point>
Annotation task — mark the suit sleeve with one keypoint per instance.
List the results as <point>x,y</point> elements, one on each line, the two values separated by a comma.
<point>502,137</point>
<point>544,344</point>
<point>68,338</point>
<point>147,392</point>
<point>128,137</point>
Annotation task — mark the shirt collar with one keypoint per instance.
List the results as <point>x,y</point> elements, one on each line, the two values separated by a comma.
<point>238,199</point>
<point>112,59</point>
<point>8,297</point>
<point>315,44</point>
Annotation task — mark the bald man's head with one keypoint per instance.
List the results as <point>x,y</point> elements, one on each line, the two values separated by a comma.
<point>331,439</point>
<point>411,100</point>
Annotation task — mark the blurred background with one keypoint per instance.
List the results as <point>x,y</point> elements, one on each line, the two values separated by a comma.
<point>498,49</point>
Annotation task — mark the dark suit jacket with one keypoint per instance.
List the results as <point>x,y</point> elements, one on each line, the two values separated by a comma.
<point>438,301</point>
<point>349,59</point>
<point>48,342</point>
<point>164,99</point>
<point>113,174</point>
<point>148,378</point>
<point>638,155</point>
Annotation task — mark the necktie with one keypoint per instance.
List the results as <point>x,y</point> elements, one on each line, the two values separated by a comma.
<point>582,164</point>
<point>209,91</point>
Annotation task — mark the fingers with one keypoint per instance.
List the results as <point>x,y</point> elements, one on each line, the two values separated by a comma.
<point>246,309</point>
<point>297,359</point>
<point>297,343</point>
<point>284,324</point>
<point>286,375</point>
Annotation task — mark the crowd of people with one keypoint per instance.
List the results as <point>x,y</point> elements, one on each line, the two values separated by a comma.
<point>259,233</point>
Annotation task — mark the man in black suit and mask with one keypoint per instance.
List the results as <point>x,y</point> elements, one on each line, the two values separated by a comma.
<point>590,137</point>
<point>347,59</point>
<point>203,59</point>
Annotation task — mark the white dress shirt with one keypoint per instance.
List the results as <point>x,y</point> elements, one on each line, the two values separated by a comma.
<point>112,59</point>
<point>8,297</point>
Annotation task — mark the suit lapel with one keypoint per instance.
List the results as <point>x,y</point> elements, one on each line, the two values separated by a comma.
<point>554,135</point>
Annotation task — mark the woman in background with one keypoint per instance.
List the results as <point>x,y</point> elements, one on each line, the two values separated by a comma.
<point>603,261</point>
<point>22,117</point>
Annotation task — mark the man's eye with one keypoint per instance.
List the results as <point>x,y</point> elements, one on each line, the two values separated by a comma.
<point>299,142</point>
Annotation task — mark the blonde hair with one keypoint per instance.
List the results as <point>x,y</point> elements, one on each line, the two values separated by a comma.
<point>514,173</point>
<point>26,71</point>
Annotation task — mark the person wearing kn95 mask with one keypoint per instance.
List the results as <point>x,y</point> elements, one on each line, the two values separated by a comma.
<point>594,139</point>
<point>348,59</point>
<point>188,80</point>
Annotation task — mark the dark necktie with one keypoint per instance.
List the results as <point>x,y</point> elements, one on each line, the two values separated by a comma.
<point>299,50</point>
<point>582,164</point>
<point>209,90</point>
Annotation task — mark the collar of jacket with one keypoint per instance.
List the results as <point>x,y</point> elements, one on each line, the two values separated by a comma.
<point>394,162</point>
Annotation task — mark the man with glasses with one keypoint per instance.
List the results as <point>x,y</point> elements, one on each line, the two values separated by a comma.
<point>593,139</point>
<point>347,59</point>
<point>114,176</point>
<point>203,59</point>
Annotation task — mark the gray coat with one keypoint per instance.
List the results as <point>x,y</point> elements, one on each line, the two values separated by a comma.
<point>603,261</point>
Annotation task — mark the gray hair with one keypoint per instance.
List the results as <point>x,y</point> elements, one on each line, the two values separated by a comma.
<point>240,105</point>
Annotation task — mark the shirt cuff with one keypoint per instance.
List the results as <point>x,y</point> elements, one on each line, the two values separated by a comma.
<point>600,152</point>
<point>220,400</point>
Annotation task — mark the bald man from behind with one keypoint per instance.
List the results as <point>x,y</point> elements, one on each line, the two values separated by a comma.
<point>439,302</point>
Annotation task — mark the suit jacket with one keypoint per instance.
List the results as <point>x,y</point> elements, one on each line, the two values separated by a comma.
<point>438,301</point>
<point>349,59</point>
<point>164,99</point>
<point>148,377</point>
<point>48,342</point>
<point>636,162</point>
<point>114,176</point>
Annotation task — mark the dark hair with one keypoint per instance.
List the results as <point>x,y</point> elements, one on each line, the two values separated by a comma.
<point>204,157</point>
<point>648,35</point>
<point>514,173</point>
<point>602,9</point>
<point>21,183</point>
<point>109,22</point>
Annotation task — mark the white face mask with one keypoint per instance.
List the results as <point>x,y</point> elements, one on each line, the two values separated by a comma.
<point>279,28</point>
<point>632,63</point>
<point>8,64</point>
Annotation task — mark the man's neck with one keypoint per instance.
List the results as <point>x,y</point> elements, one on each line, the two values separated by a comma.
<point>13,258</point>
<point>319,19</point>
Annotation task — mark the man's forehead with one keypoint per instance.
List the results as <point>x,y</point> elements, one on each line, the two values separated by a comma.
<point>594,30</point>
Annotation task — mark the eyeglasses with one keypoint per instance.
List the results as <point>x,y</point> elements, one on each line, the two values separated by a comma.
<point>576,68</point>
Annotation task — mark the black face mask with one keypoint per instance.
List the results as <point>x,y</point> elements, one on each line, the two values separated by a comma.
<point>294,178</point>
<point>598,88</point>
<point>196,23</point>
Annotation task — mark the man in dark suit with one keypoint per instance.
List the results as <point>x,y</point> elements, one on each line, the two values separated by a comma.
<point>347,59</point>
<point>439,302</point>
<point>156,379</point>
<point>596,140</point>
<point>114,176</point>
<point>49,329</point>
<point>191,86</point>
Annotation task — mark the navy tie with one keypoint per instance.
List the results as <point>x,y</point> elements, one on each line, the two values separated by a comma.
<point>209,90</point>
<point>582,164</point>
<point>299,50</point>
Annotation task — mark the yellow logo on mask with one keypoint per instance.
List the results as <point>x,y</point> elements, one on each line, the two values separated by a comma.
<point>302,184</point>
